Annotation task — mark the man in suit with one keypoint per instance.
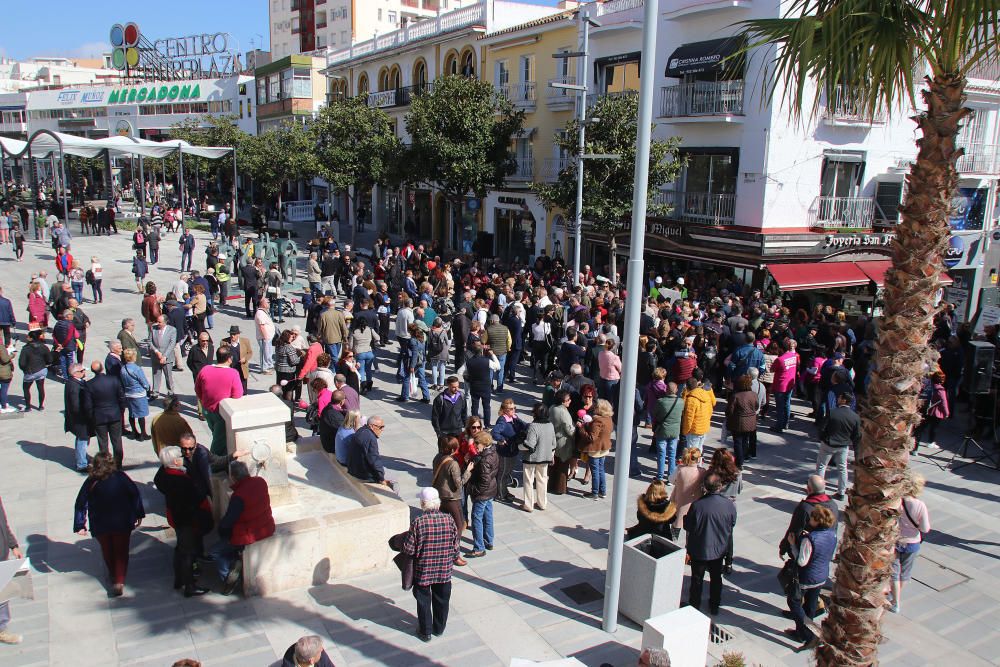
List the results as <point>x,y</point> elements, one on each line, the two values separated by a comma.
<point>240,352</point>
<point>77,414</point>
<point>161,352</point>
<point>107,401</point>
<point>113,361</point>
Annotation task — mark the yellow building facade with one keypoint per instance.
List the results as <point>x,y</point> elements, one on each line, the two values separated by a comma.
<point>519,62</point>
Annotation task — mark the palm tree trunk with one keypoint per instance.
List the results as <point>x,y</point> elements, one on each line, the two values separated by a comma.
<point>851,632</point>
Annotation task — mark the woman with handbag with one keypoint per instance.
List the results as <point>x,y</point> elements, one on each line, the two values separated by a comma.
<point>508,433</point>
<point>594,439</point>
<point>935,409</point>
<point>914,523</point>
<point>815,550</point>
<point>449,479</point>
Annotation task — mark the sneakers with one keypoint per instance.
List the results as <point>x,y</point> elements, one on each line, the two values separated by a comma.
<point>9,409</point>
<point>9,638</point>
<point>932,445</point>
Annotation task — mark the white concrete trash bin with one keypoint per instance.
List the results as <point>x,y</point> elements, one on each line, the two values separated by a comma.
<point>683,632</point>
<point>652,577</point>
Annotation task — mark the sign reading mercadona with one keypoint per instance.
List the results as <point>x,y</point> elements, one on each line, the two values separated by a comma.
<point>156,94</point>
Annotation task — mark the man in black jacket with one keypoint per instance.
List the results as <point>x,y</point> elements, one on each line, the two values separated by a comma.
<point>479,378</point>
<point>449,411</point>
<point>77,414</point>
<point>841,431</point>
<point>364,461</point>
<point>709,525</point>
<point>108,403</point>
<point>251,284</point>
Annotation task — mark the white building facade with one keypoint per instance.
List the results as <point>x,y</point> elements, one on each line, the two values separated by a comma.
<point>764,195</point>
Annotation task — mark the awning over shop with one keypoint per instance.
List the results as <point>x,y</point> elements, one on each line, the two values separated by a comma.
<point>876,271</point>
<point>708,56</point>
<point>794,277</point>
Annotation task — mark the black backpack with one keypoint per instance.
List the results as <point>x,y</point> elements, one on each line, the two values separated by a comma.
<point>435,344</point>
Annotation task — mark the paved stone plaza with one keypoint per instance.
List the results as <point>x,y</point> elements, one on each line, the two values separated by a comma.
<point>509,604</point>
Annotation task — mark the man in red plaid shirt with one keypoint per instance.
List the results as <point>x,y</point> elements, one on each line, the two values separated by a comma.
<point>432,543</point>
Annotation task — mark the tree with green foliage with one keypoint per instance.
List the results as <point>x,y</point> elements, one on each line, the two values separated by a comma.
<point>211,130</point>
<point>871,49</point>
<point>276,156</point>
<point>355,146</point>
<point>609,184</point>
<point>461,131</point>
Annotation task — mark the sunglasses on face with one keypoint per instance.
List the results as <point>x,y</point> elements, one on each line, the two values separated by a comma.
<point>187,449</point>
<point>476,427</point>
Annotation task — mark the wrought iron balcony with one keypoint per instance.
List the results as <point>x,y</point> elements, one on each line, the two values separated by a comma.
<point>553,166</point>
<point>524,169</point>
<point>842,212</point>
<point>980,159</point>
<point>522,94</point>
<point>846,109</point>
<point>560,98</point>
<point>703,208</point>
<point>702,98</point>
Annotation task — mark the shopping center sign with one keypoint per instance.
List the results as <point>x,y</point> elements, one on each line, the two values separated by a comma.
<point>208,55</point>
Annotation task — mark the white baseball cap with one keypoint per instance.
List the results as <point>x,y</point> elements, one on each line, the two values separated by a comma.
<point>428,494</point>
<point>680,281</point>
<point>659,280</point>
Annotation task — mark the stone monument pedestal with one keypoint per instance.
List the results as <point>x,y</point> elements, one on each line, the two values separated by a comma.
<point>256,424</point>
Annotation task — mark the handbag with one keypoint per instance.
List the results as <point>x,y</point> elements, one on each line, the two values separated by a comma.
<point>403,560</point>
<point>788,578</point>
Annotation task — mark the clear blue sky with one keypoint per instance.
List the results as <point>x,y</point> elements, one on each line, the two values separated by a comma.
<point>80,28</point>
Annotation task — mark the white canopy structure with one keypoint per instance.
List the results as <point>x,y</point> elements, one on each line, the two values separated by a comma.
<point>46,144</point>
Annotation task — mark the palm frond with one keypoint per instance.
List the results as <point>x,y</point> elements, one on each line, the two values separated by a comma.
<point>868,48</point>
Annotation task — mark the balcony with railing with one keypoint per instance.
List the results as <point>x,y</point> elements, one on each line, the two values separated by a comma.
<point>560,99</point>
<point>846,109</point>
<point>979,159</point>
<point>521,94</point>
<point>473,15</point>
<point>701,208</point>
<point>397,97</point>
<point>702,99</point>
<point>986,70</point>
<point>842,212</point>
<point>524,169</point>
<point>553,166</point>
<point>615,6</point>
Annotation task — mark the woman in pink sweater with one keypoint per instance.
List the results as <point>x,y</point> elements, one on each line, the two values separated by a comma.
<point>610,371</point>
<point>914,523</point>
<point>687,486</point>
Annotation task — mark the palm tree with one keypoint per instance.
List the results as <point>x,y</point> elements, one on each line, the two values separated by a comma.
<point>872,49</point>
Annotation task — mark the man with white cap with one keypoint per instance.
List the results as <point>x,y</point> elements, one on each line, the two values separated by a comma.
<point>432,543</point>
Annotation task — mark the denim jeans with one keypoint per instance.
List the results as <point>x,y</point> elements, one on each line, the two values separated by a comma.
<point>80,444</point>
<point>4,386</point>
<point>439,372</point>
<point>800,607</point>
<point>365,359</point>
<point>837,456</point>
<point>77,291</point>
<point>421,382</point>
<point>224,554</point>
<point>498,375</point>
<point>333,349</point>
<point>598,482</point>
<point>666,457</point>
<point>266,354</point>
<point>483,399</point>
<point>482,524</point>
<point>66,357</point>
<point>606,389</point>
<point>696,441</point>
<point>783,400</point>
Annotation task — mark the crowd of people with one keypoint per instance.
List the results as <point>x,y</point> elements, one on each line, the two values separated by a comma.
<point>467,331</point>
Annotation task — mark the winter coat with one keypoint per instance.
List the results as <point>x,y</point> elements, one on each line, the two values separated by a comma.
<point>483,483</point>
<point>254,521</point>
<point>653,518</point>
<point>113,505</point>
<point>539,444</point>
<point>448,417</point>
<point>449,477</point>
<point>667,413</point>
<point>565,430</point>
<point>34,356</point>
<point>741,412</point>
<point>77,413</point>
<point>698,406</point>
<point>595,438</point>
<point>709,524</point>
<point>687,489</point>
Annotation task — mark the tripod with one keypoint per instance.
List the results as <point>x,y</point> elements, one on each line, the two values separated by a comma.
<point>984,456</point>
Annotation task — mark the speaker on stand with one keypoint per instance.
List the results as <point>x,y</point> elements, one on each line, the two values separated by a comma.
<point>978,382</point>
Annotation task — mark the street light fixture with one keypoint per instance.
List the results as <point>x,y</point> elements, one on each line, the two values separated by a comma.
<point>581,89</point>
